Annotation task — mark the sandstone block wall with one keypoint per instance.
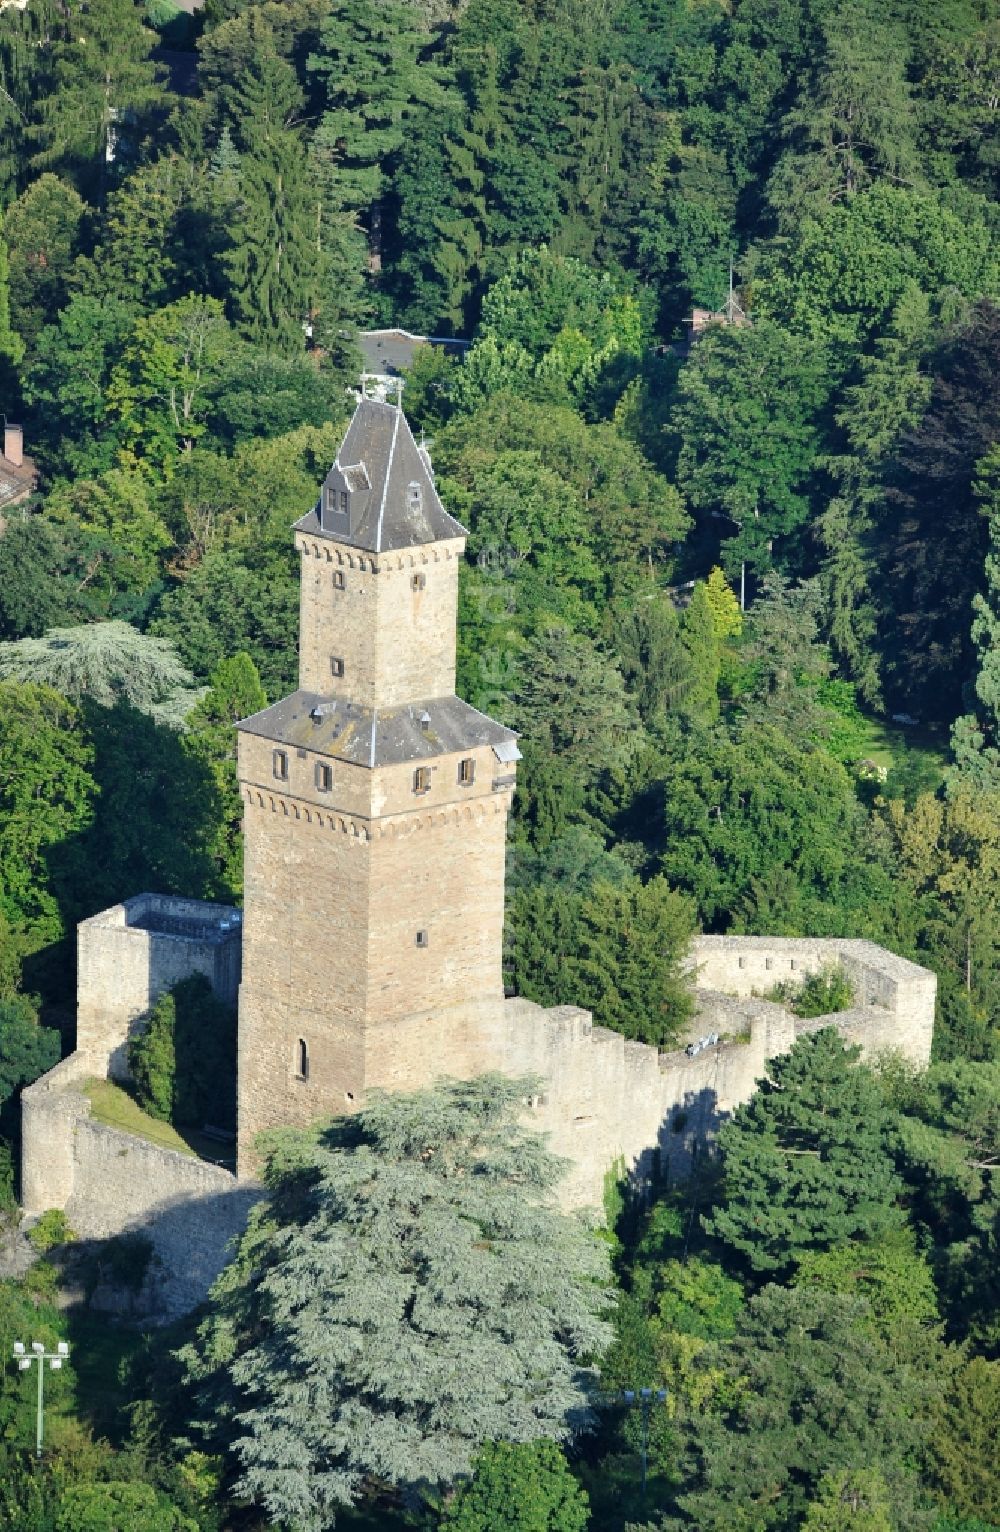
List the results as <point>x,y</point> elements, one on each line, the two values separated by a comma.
<point>894,998</point>
<point>130,954</point>
<point>111,1183</point>
<point>331,953</point>
<point>394,632</point>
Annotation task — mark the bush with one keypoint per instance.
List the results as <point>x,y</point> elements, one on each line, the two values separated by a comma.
<point>184,1058</point>
<point>820,994</point>
<point>51,1229</point>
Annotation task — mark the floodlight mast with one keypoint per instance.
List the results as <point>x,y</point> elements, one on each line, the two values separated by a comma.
<point>39,1356</point>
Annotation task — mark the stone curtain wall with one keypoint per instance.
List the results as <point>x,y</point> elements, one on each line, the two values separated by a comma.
<point>894,999</point>
<point>111,1183</point>
<point>130,954</point>
<point>600,1097</point>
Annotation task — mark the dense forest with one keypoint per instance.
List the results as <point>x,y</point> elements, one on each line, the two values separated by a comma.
<point>737,583</point>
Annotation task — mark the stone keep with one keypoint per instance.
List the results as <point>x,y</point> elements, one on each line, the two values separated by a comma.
<point>375,804</point>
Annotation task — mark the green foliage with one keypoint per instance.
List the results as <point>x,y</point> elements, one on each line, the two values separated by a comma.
<point>807,1160</point>
<point>410,1295</point>
<point>618,950</point>
<point>51,1229</point>
<point>521,1486</point>
<point>746,426</point>
<point>115,1506</point>
<point>889,1274</point>
<point>43,230</point>
<point>272,264</point>
<point>108,662</point>
<point>819,1396</point>
<point>46,795</point>
<point>183,1057</point>
<point>101,74</point>
<point>850,1501</point>
<point>818,994</point>
<point>964,1463</point>
<point>235,693</point>
<point>27,1050</point>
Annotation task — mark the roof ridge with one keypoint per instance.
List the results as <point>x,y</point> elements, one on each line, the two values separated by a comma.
<point>385,482</point>
<point>336,461</point>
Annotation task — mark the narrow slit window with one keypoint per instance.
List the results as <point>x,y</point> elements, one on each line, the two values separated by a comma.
<point>422,779</point>
<point>302,1059</point>
<point>324,776</point>
<point>336,665</point>
<point>279,761</point>
<point>343,502</point>
<point>466,771</point>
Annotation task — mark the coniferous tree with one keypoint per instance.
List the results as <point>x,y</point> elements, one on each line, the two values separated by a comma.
<point>370,60</point>
<point>272,265</point>
<point>103,82</point>
<point>976,736</point>
<point>807,1159</point>
<point>855,118</point>
<point>411,1295</point>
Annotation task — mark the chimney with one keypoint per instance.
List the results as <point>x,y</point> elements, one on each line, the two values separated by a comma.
<point>13,444</point>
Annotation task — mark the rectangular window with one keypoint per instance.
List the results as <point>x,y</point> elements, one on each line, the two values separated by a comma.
<point>336,665</point>
<point>343,502</point>
<point>419,582</point>
<point>279,761</point>
<point>324,776</point>
<point>422,779</point>
<point>422,939</point>
<point>338,579</point>
<point>466,772</point>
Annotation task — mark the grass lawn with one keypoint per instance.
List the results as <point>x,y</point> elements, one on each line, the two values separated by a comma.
<point>115,1107</point>
<point>885,741</point>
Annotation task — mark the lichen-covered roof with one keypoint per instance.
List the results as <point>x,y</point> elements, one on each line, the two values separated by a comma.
<point>385,736</point>
<point>379,439</point>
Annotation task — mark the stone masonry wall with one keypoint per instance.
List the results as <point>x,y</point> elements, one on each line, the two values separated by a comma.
<point>600,1098</point>
<point>395,636</point>
<point>123,966</point>
<point>112,1183</point>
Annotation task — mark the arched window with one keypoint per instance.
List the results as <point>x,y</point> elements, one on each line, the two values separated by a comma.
<point>302,1059</point>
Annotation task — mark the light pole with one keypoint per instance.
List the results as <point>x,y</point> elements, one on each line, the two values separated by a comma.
<point>26,1359</point>
<point>645,1398</point>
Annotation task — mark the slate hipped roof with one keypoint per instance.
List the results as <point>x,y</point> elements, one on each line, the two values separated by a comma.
<point>380,442</point>
<point>384,736</point>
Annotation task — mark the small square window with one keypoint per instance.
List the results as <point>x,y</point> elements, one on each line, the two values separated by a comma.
<point>324,776</point>
<point>336,665</point>
<point>279,761</point>
<point>419,582</point>
<point>422,779</point>
<point>466,771</point>
<point>338,579</point>
<point>422,939</point>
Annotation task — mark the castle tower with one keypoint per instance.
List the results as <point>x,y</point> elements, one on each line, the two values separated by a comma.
<point>375,804</point>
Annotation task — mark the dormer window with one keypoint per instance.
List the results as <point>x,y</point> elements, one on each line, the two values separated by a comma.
<point>345,498</point>
<point>414,497</point>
